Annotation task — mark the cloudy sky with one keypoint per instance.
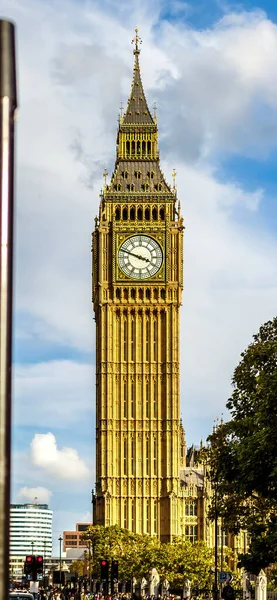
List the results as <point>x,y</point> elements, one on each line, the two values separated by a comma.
<point>211,67</point>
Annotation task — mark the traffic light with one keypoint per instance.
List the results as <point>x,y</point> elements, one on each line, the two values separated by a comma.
<point>39,567</point>
<point>29,567</point>
<point>115,571</point>
<point>104,570</point>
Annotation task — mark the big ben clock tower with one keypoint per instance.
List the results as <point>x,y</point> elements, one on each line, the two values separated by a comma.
<point>137,287</point>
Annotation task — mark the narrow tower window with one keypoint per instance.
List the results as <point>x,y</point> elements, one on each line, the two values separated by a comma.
<point>155,455</point>
<point>139,214</point>
<point>133,516</point>
<point>125,339</point>
<point>147,398</point>
<point>133,340</point>
<point>147,214</point>
<point>147,457</point>
<point>125,514</point>
<point>147,339</point>
<point>117,214</point>
<point>155,396</point>
<point>148,524</point>
<point>125,397</point>
<point>133,457</point>
<point>125,457</point>
<point>155,337</point>
<point>125,214</point>
<point>155,517</point>
<point>132,399</point>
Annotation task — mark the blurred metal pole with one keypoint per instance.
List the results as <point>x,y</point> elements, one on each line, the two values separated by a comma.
<point>60,540</point>
<point>7,108</point>
<point>215,544</point>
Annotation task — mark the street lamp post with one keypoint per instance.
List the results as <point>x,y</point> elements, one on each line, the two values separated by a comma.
<point>32,544</point>
<point>60,540</point>
<point>8,105</point>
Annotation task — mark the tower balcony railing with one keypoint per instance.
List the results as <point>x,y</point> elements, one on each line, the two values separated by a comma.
<point>131,196</point>
<point>138,155</point>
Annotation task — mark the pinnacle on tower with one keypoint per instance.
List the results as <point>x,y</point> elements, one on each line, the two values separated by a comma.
<point>137,111</point>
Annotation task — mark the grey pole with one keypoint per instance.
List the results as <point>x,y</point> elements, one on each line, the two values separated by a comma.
<point>8,105</point>
<point>215,545</point>
<point>60,540</point>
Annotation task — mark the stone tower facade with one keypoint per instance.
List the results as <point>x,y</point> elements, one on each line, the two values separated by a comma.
<point>137,288</point>
<point>146,479</point>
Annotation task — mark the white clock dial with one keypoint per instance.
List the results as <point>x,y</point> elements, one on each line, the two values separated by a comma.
<point>140,257</point>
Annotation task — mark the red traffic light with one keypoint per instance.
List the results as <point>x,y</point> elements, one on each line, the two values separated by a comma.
<point>29,559</point>
<point>103,562</point>
<point>39,559</point>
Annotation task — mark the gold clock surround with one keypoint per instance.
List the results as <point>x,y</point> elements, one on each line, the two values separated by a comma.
<point>158,241</point>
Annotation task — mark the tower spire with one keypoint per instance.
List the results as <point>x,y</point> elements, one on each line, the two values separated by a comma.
<point>137,111</point>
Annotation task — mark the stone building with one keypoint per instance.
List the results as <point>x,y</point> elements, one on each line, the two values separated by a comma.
<point>146,480</point>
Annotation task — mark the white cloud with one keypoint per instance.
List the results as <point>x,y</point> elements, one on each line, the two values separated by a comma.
<point>223,98</point>
<point>63,464</point>
<point>40,494</point>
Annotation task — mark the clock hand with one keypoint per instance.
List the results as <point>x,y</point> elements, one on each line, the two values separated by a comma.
<point>136,255</point>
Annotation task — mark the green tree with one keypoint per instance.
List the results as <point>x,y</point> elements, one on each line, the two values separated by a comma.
<point>77,567</point>
<point>138,554</point>
<point>243,452</point>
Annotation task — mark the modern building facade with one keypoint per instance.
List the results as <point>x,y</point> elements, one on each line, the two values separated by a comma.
<point>30,529</point>
<point>73,539</point>
<point>143,481</point>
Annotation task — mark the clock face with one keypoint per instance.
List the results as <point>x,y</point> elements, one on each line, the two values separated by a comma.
<point>140,257</point>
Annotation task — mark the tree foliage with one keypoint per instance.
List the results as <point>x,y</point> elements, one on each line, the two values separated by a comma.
<point>243,452</point>
<point>138,554</point>
<point>77,567</point>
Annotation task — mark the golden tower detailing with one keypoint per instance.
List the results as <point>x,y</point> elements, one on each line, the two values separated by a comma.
<point>137,288</point>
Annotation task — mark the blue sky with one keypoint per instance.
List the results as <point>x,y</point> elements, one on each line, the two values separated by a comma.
<point>211,68</point>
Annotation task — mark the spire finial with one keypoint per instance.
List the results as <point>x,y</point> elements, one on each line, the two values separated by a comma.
<point>136,40</point>
<point>105,175</point>
<point>174,180</point>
